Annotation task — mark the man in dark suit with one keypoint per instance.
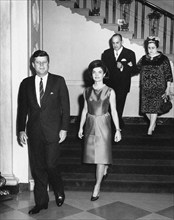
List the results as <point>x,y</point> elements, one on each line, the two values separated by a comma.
<point>121,63</point>
<point>43,118</point>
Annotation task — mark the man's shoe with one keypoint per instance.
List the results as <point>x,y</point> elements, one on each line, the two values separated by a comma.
<point>36,209</point>
<point>60,199</point>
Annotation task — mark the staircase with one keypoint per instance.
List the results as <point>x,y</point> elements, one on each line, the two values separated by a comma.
<point>139,26</point>
<point>84,8</point>
<point>140,163</point>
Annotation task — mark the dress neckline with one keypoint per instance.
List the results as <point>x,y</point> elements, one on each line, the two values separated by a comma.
<point>155,57</point>
<point>100,88</point>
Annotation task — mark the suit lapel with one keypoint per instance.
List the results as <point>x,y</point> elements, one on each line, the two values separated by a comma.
<point>33,93</point>
<point>121,55</point>
<point>113,56</point>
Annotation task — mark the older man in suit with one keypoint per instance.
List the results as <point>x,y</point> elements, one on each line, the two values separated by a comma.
<point>43,118</point>
<point>121,63</point>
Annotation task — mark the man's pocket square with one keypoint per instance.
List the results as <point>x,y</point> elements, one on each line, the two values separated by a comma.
<point>123,60</point>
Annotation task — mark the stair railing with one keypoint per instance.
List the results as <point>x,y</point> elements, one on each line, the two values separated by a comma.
<point>145,5</point>
<point>167,15</point>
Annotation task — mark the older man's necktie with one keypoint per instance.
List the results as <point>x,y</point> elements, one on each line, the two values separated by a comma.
<point>116,55</point>
<point>41,89</point>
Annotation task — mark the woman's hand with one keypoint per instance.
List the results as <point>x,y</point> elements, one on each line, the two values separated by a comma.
<point>80,133</point>
<point>167,93</point>
<point>164,96</point>
<point>117,137</point>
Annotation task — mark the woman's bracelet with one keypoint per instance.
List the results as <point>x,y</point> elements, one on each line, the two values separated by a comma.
<point>118,129</point>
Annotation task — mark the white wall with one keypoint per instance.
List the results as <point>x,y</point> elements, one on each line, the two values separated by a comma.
<point>73,43</point>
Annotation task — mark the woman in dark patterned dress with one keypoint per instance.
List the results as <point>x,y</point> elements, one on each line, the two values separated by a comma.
<point>97,134</point>
<point>155,79</point>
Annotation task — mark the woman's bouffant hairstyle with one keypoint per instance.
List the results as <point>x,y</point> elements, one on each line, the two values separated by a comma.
<point>95,64</point>
<point>151,39</point>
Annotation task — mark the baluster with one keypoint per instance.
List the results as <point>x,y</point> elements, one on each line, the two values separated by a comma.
<point>84,3</point>
<point>171,35</point>
<point>107,11</point>
<point>136,19</point>
<point>88,5</point>
<point>78,3</point>
<point>142,21</point>
<point>110,10</point>
<point>102,8</point>
<point>164,34</point>
<point>114,12</point>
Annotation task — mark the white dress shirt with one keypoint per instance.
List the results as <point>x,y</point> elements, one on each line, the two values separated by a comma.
<point>117,53</point>
<point>37,85</point>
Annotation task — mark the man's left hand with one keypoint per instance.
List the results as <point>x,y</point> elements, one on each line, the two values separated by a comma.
<point>62,135</point>
<point>130,64</point>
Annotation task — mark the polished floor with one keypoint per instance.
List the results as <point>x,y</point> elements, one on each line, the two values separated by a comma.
<point>110,206</point>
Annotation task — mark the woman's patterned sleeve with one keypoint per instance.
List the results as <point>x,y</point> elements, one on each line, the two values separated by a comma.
<point>167,70</point>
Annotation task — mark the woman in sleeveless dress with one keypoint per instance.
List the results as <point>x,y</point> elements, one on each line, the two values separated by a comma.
<point>97,120</point>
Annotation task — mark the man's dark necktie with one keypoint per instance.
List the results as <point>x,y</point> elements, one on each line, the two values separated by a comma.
<point>41,89</point>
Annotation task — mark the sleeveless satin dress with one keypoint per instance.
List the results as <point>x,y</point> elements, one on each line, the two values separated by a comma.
<point>97,139</point>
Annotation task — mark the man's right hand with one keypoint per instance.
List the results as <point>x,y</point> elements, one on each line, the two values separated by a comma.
<point>22,138</point>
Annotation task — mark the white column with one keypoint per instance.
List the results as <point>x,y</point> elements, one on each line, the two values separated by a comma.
<point>13,68</point>
<point>6,118</point>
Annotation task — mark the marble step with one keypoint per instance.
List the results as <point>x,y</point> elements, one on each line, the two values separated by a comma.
<point>121,183</point>
<point>96,19</point>
<point>67,4</point>
<point>81,11</point>
<point>125,154</point>
<point>111,27</point>
<point>123,169</point>
<point>119,161</point>
<point>122,177</point>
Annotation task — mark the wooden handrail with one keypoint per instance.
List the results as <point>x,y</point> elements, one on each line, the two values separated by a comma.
<point>156,8</point>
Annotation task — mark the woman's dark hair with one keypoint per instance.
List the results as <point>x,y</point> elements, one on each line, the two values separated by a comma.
<point>40,53</point>
<point>95,64</point>
<point>151,39</point>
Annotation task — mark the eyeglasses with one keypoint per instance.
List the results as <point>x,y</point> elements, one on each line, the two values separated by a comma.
<point>41,63</point>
